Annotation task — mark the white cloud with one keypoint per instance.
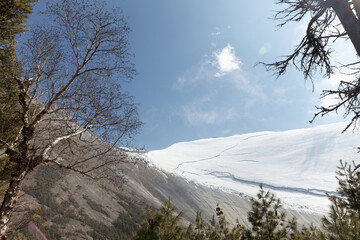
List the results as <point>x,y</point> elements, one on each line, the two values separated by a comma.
<point>265,48</point>
<point>217,90</point>
<point>226,60</point>
<point>221,68</point>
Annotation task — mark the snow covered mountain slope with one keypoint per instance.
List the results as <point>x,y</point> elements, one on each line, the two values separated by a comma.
<point>298,165</point>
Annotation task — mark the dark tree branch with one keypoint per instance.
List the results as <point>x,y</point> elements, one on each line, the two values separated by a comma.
<point>74,112</point>
<point>313,53</point>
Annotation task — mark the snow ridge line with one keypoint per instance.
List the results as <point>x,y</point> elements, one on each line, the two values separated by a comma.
<point>205,159</point>
<point>218,155</point>
<point>310,191</point>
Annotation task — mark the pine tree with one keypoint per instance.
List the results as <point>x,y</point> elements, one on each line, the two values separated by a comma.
<point>349,185</point>
<point>311,233</point>
<point>265,217</point>
<point>9,107</point>
<point>149,226</point>
<point>12,22</point>
<point>13,14</point>
<point>218,228</point>
<point>343,221</point>
<point>269,222</point>
<point>161,225</point>
<point>197,231</point>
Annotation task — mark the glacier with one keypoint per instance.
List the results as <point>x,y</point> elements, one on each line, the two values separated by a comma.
<point>297,165</point>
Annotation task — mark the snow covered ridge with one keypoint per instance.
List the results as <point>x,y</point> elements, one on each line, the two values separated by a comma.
<point>298,165</point>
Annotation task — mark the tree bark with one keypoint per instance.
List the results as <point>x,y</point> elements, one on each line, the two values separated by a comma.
<point>9,202</point>
<point>348,20</point>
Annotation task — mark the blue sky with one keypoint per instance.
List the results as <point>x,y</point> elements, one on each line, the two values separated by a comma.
<point>197,76</point>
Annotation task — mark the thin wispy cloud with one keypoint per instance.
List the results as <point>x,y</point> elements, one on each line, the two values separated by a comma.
<point>202,111</point>
<point>196,75</point>
<point>217,89</point>
<point>217,32</point>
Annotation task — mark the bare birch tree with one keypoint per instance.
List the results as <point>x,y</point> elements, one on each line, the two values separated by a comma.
<point>73,110</point>
<point>330,21</point>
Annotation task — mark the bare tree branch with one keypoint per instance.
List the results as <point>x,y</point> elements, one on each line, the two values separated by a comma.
<point>62,138</point>
<point>330,20</point>
<point>74,113</point>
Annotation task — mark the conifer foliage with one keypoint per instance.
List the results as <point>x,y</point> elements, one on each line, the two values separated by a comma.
<point>12,22</point>
<point>343,221</point>
<point>267,219</point>
<point>13,14</point>
<point>161,225</point>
